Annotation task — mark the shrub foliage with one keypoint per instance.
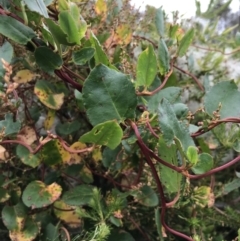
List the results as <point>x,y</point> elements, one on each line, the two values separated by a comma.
<point>117,124</point>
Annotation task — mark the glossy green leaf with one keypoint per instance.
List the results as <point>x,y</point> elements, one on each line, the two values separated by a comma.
<point>163,57</point>
<point>57,33</point>
<point>6,53</point>
<point>146,196</point>
<point>116,98</point>
<point>47,60</point>
<point>204,164</point>
<point>99,56</point>
<point>15,30</point>
<point>108,134</point>
<point>185,42</point>
<point>172,94</point>
<point>170,178</point>
<point>69,25</point>
<point>39,195</point>
<point>192,155</point>
<point>37,6</point>
<point>14,216</point>
<point>27,157</point>
<point>79,195</point>
<point>45,91</point>
<point>146,67</point>
<point>171,127</point>
<point>80,57</point>
<point>29,232</point>
<point>159,20</point>
<point>226,93</point>
<point>8,126</point>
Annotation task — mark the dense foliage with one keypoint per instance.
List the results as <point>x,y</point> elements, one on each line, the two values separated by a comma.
<point>117,125</point>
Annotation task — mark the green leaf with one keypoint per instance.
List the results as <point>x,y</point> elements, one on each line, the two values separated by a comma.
<point>39,195</point>
<point>204,164</point>
<point>28,158</point>
<point>111,158</point>
<point>68,128</point>
<point>37,6</point>
<point>172,94</point>
<point>159,20</point>
<point>170,178</point>
<point>163,57</point>
<point>231,186</point>
<point>108,134</point>
<point>99,56</point>
<point>180,109</point>
<point>29,232</point>
<point>69,25</point>
<point>226,93</point>
<point>15,30</point>
<point>14,216</point>
<point>146,196</point>
<point>108,95</point>
<point>117,235</point>
<point>192,155</point>
<point>46,94</point>
<point>185,42</point>
<point>146,67</point>
<point>237,38</point>
<point>79,195</point>
<point>47,60</point>
<point>80,57</point>
<point>57,33</point>
<point>51,232</point>
<point>6,53</point>
<point>8,127</point>
<point>171,127</point>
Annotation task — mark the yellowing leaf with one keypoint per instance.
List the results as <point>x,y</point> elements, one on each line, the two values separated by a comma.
<point>45,92</point>
<point>123,34</point>
<point>49,121</point>
<point>3,154</point>
<point>97,154</point>
<point>75,157</point>
<point>67,214</point>
<point>101,8</point>
<point>27,135</point>
<point>24,76</point>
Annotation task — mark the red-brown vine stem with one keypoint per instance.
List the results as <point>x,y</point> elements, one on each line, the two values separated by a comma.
<point>215,170</point>
<point>158,182</point>
<point>214,124</point>
<point>40,146</point>
<point>191,75</point>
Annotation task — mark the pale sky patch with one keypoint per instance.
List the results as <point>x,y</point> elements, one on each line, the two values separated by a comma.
<point>185,7</point>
